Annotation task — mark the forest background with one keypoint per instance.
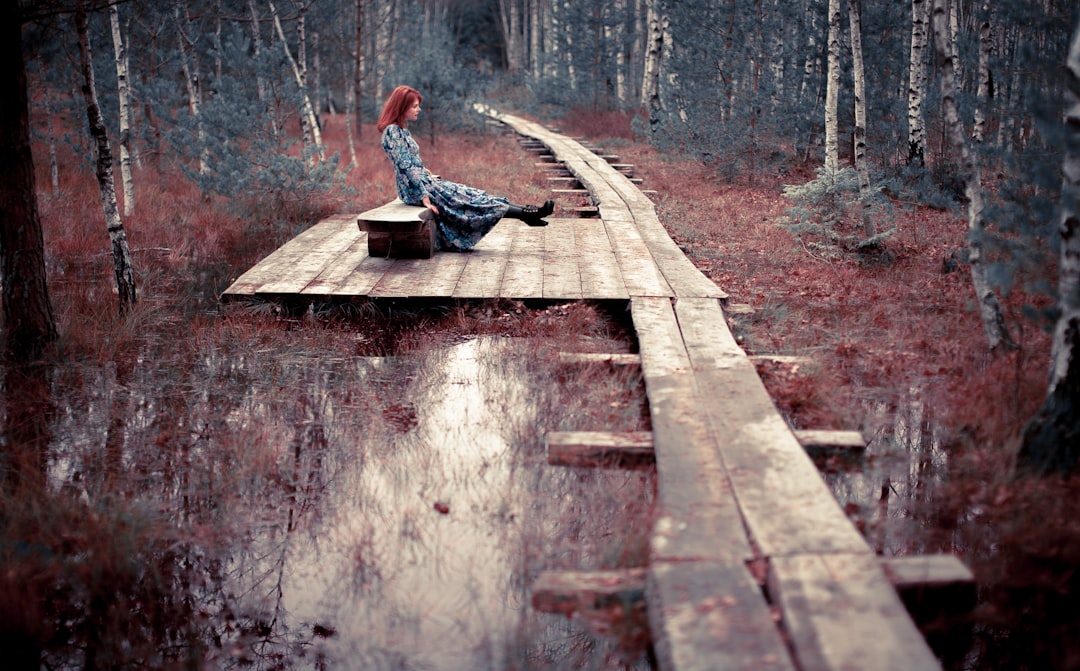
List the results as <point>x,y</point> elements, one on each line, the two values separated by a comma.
<point>865,120</point>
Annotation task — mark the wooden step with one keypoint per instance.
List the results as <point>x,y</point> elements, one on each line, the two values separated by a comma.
<point>627,450</point>
<point>932,586</point>
<point>571,192</point>
<point>603,448</point>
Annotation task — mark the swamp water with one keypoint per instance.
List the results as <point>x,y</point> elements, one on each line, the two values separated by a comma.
<point>267,507</point>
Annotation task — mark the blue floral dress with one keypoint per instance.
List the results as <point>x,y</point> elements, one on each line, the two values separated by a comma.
<point>466,214</point>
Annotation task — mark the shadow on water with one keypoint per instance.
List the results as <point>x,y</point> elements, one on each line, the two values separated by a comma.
<point>263,506</point>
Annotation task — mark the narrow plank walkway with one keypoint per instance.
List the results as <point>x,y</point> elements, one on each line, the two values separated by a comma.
<point>735,489</point>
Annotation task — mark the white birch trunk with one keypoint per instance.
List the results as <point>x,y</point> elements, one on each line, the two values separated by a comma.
<point>859,75</point>
<point>256,47</point>
<point>536,33</point>
<point>1052,438</point>
<point>510,24</point>
<point>997,334</point>
<point>191,80</point>
<point>650,81</point>
<point>920,19</point>
<point>122,266</point>
<point>832,91</point>
<point>125,113</point>
<point>358,71</point>
<point>311,125</point>
<point>982,93</point>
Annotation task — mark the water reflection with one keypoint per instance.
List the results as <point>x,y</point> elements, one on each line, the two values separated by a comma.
<point>888,489</point>
<point>267,507</point>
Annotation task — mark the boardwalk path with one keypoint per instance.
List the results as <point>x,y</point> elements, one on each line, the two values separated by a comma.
<point>735,487</point>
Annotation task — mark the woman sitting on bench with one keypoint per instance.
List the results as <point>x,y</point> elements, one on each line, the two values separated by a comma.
<point>463,214</point>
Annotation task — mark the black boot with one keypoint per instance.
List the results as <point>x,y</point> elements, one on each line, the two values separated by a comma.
<point>530,214</point>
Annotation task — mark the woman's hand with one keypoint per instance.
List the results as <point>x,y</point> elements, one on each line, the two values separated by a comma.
<point>427,203</point>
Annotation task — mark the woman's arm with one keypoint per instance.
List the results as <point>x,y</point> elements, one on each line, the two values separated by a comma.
<point>406,160</point>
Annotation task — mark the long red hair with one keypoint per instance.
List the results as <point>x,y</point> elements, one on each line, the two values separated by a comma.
<point>394,109</point>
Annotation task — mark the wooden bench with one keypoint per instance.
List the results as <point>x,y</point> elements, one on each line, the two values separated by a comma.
<point>399,231</point>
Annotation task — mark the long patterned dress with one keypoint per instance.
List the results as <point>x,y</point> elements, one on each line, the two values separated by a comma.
<point>466,214</point>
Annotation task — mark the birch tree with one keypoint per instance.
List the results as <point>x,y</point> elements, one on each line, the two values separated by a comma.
<point>920,20</point>
<point>832,92</point>
<point>859,74</point>
<point>122,267</point>
<point>312,135</point>
<point>1051,440</point>
<point>997,334</point>
<point>29,324</point>
<point>122,88</point>
<point>982,93</point>
<point>193,85</point>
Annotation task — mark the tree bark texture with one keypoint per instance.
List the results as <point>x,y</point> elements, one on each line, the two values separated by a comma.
<point>832,91</point>
<point>920,20</point>
<point>120,52</point>
<point>122,266</point>
<point>982,93</point>
<point>28,317</point>
<point>1051,440</point>
<point>859,75</point>
<point>997,334</point>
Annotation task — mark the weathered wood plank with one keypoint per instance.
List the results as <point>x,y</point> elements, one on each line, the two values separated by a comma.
<point>627,449</point>
<point>822,439</point>
<point>710,615</point>
<point>394,216</point>
<point>562,278</point>
<point>601,276</point>
<point>364,276</point>
<point>570,592</point>
<point>841,613</point>
<point>636,265</point>
<point>524,274</point>
<point>306,265</point>
<point>786,504</point>
<point>932,586</point>
<point>327,282</point>
<point>487,262</point>
<point>697,516</point>
<point>615,359</point>
<point>280,260</point>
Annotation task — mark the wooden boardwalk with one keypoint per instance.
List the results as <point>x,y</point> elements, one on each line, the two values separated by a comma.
<point>735,489</point>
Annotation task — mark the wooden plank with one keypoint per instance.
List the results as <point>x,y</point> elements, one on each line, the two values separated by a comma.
<point>311,260</point>
<point>281,259</point>
<point>394,216</point>
<point>562,279</point>
<point>573,592</point>
<point>364,276</point>
<point>681,274</point>
<point>841,612</point>
<point>614,359</point>
<point>487,261</point>
<point>422,278</point>
<point>639,273</point>
<point>697,516</point>
<point>786,504</point>
<point>601,277</point>
<point>336,271</point>
<point>627,449</point>
<point>710,615</point>
<point>524,274</point>
<point>932,587</point>
<point>820,439</point>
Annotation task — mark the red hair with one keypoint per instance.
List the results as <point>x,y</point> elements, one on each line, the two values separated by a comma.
<point>396,105</point>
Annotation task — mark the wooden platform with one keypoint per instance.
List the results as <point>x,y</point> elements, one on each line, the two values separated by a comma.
<point>753,564</point>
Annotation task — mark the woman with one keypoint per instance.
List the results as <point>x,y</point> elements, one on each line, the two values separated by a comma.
<point>463,214</point>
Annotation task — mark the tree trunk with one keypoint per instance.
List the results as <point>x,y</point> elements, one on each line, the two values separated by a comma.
<point>125,276</point>
<point>310,123</point>
<point>256,47</point>
<point>28,317</point>
<point>650,81</point>
<point>997,334</point>
<point>358,67</point>
<point>859,75</point>
<point>978,130</point>
<point>920,18</point>
<point>124,112</point>
<point>832,92</point>
<point>193,85</point>
<point>1051,440</point>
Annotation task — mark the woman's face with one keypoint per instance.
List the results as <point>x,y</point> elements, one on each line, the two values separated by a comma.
<point>412,111</point>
